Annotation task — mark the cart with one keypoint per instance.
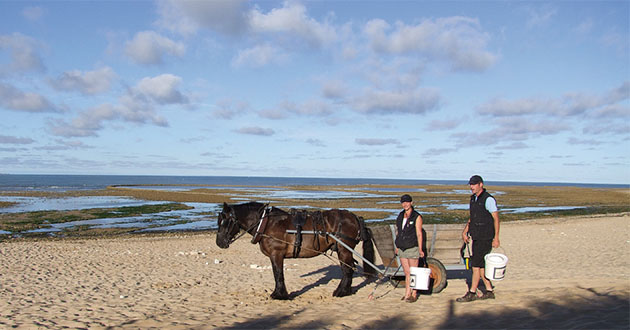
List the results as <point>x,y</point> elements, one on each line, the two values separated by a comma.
<point>442,255</point>
<point>443,248</point>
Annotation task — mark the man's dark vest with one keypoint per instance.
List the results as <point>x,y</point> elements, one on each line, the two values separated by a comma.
<point>407,237</point>
<point>481,222</point>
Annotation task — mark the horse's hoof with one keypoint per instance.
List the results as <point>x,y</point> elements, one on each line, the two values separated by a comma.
<point>341,293</point>
<point>278,296</point>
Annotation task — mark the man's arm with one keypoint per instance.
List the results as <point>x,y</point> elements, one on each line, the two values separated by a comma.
<point>495,241</point>
<point>465,232</point>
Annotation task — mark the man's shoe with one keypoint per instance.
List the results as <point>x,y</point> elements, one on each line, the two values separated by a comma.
<point>469,296</point>
<point>488,295</point>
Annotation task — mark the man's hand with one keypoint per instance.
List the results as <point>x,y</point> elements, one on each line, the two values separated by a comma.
<point>495,242</point>
<point>466,238</point>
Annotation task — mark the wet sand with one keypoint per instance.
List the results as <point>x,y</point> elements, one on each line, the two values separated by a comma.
<point>562,273</point>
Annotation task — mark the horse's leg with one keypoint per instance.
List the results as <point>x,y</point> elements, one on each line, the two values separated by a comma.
<point>346,262</point>
<point>277,263</point>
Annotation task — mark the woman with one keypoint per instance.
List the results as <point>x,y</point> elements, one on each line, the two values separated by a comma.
<point>409,242</point>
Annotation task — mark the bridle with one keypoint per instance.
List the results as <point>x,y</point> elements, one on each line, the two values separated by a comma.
<point>234,222</point>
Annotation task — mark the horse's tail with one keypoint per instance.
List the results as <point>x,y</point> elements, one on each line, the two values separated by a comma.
<point>368,247</point>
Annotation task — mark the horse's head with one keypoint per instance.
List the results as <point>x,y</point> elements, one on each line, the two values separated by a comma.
<point>228,226</point>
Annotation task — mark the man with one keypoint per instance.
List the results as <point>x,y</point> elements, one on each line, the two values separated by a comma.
<point>483,228</point>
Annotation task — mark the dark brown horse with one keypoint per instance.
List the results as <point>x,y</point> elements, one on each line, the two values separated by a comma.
<point>269,229</point>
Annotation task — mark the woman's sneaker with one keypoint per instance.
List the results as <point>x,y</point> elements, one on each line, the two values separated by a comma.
<point>488,295</point>
<point>469,296</point>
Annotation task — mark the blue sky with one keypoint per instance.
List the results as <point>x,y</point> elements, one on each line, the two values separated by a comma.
<point>514,91</point>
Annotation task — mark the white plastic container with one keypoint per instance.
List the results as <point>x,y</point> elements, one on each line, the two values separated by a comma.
<point>496,264</point>
<point>420,277</point>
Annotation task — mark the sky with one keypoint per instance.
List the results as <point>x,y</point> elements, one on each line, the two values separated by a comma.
<point>438,90</point>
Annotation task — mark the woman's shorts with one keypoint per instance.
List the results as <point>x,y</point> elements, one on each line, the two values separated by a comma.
<point>410,253</point>
<point>479,251</point>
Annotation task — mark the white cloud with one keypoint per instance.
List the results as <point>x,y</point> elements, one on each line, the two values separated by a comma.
<point>275,113</point>
<point>616,40</point>
<point>317,108</point>
<point>315,142</point>
<point>258,56</point>
<point>541,16</point>
<point>438,151</point>
<point>292,19</point>
<point>255,130</point>
<point>416,101</point>
<point>460,40</point>
<point>5,139</point>
<point>511,129</point>
<point>308,108</point>
<point>136,106</point>
<point>524,106</point>
<point>24,56</point>
<point>148,47</point>
<point>86,123</point>
<point>375,142</point>
<point>12,98</point>
<point>571,104</point>
<point>585,26</point>
<point>228,109</point>
<point>162,89</point>
<point>90,82</point>
<point>517,145</point>
<point>334,89</point>
<point>614,111</point>
<point>590,142</point>
<point>188,16</point>
<point>89,122</point>
<point>443,125</point>
<point>33,13</point>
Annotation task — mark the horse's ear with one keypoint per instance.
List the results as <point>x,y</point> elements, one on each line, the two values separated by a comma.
<point>225,206</point>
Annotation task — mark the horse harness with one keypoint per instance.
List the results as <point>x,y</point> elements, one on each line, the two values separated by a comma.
<point>234,222</point>
<point>299,218</point>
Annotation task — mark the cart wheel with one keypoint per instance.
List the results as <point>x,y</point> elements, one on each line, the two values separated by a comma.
<point>438,274</point>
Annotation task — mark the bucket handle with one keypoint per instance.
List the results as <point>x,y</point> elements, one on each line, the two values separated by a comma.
<point>500,247</point>
<point>424,262</point>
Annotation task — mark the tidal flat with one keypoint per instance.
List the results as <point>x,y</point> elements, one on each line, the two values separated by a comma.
<point>167,208</point>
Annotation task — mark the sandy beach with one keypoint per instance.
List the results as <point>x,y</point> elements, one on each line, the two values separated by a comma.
<point>562,273</point>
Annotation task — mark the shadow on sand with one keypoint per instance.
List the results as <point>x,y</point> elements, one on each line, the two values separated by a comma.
<point>333,272</point>
<point>604,311</point>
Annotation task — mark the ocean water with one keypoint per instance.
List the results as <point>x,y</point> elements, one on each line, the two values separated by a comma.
<point>43,182</point>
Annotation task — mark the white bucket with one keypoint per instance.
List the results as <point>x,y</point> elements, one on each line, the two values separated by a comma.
<point>419,278</point>
<point>495,266</point>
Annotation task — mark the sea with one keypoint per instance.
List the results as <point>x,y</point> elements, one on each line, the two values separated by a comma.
<point>197,218</point>
<point>47,182</point>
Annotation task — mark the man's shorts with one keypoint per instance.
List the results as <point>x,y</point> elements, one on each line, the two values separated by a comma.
<point>410,253</point>
<point>479,251</point>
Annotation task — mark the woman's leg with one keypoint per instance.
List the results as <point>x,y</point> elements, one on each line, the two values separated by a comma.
<point>412,263</point>
<point>405,266</point>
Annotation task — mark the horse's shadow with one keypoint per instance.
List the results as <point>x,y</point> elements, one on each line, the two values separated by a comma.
<point>331,272</point>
